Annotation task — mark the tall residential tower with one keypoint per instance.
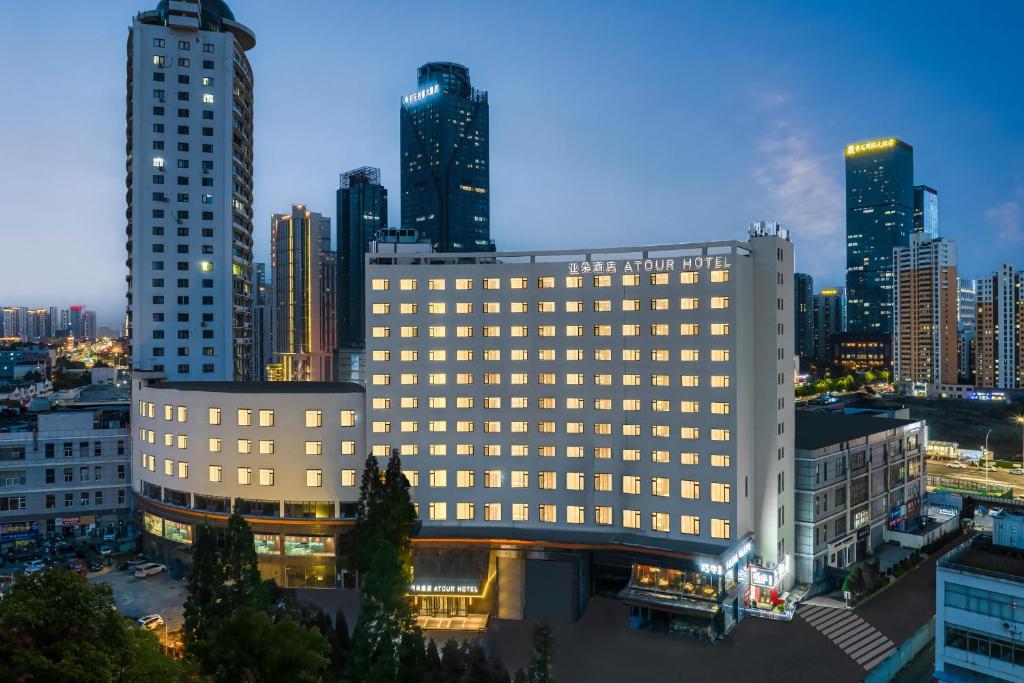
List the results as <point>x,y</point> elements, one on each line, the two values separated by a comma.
<point>879,218</point>
<point>445,160</point>
<point>189,178</point>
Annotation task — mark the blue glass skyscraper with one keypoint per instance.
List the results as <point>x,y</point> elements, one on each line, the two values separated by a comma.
<point>879,218</point>
<point>445,160</point>
<point>362,211</point>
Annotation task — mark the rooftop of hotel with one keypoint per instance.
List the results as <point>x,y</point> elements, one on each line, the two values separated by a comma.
<point>263,387</point>
<point>816,430</point>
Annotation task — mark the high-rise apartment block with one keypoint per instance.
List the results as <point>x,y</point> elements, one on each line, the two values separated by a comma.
<point>879,218</point>
<point>803,313</point>
<point>304,279</point>
<point>189,177</point>
<point>999,340</point>
<point>926,210</point>
<point>362,204</point>
<point>445,160</point>
<point>925,312</point>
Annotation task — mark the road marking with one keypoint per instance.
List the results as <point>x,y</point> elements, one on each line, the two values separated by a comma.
<point>858,639</point>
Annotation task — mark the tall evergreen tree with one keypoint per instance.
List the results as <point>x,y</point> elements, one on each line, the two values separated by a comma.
<point>205,587</point>
<point>240,566</point>
<point>542,656</point>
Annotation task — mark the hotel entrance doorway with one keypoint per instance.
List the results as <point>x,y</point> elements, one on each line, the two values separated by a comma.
<point>442,606</point>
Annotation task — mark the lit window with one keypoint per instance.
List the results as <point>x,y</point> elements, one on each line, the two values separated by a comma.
<point>408,331</point>
<point>437,378</point>
<point>659,521</point>
<point>631,519</point>
<point>689,329</point>
<point>630,304</point>
<point>688,278</point>
<point>465,479</point>
<point>464,331</point>
<point>689,433</point>
<point>719,302</point>
<point>348,447</point>
<point>381,355</point>
<point>631,484</point>
<point>659,278</point>
<point>720,461</point>
<point>660,330</point>
<point>719,381</point>
<point>410,378</point>
<point>545,306</point>
<point>719,275</point>
<point>689,380</point>
<point>631,430</point>
<point>380,379</point>
<point>689,459</point>
<point>244,446</point>
<point>492,306</point>
<point>348,417</point>
<point>633,330</point>
<point>689,304</point>
<point>207,98</point>
<point>689,524</point>
<point>573,306</point>
<point>719,329</point>
<point>314,447</point>
<point>245,475</point>
<point>465,511</point>
<point>408,284</point>
<point>435,284</point>
<point>438,479</point>
<point>215,473</point>
<point>630,404</point>
<point>214,445</point>
<point>689,407</point>
<point>628,355</point>
<point>266,447</point>
<point>719,355</point>
<point>574,514</point>
<point>719,408</point>
<point>689,489</point>
<point>519,307</point>
<point>602,515</point>
<point>659,380</point>
<point>577,330</point>
<point>721,493</point>
<point>547,480</point>
<point>438,425</point>
<point>602,481</point>
<point>439,449</point>
<point>381,309</point>
<point>314,418</point>
<point>413,476</point>
<point>548,513</point>
<point>573,281</point>
<point>689,355</point>
<point>409,426</point>
<point>463,283</point>
<point>520,479</point>
<point>438,511</point>
<point>721,528</point>
<point>660,486</point>
<point>660,431</point>
<point>492,283</point>
<point>517,283</point>
<point>630,280</point>
<point>215,416</point>
<point>244,417</point>
<point>520,512</point>
<point>348,477</point>
<point>721,435</point>
<point>602,280</point>
<point>380,284</point>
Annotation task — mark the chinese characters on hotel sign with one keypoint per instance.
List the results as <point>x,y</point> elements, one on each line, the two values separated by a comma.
<point>661,265</point>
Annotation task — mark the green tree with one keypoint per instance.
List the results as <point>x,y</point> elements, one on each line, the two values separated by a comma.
<point>240,566</point>
<point>56,626</point>
<point>386,644</point>
<point>248,646</point>
<point>539,670</point>
<point>203,609</point>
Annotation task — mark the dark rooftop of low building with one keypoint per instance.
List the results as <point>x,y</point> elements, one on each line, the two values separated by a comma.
<point>982,556</point>
<point>264,387</point>
<point>816,430</point>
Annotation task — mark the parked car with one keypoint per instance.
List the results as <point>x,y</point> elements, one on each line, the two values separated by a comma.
<point>34,566</point>
<point>110,535</point>
<point>132,564</point>
<point>150,622</point>
<point>77,567</point>
<point>148,569</point>
<point>957,465</point>
<point>105,550</point>
<point>989,468</point>
<point>95,565</point>
<point>995,512</point>
<point>1016,470</point>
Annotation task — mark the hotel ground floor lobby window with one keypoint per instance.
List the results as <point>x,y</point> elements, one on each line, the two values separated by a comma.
<point>316,575</point>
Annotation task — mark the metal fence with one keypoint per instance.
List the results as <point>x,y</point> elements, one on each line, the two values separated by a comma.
<point>908,649</point>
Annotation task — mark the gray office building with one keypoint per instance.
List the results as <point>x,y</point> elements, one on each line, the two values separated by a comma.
<point>803,286</point>
<point>445,160</point>
<point>926,210</point>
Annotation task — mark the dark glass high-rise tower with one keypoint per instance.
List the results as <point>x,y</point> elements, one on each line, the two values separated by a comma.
<point>879,218</point>
<point>362,211</point>
<point>445,160</point>
<point>803,285</point>
<point>926,210</point>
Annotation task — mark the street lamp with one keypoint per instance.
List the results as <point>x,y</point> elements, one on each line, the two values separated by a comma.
<point>1019,419</point>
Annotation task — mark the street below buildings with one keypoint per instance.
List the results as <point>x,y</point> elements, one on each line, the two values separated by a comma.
<point>134,598</point>
<point>976,475</point>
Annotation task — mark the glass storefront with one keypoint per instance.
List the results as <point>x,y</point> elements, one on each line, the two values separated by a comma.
<point>267,544</point>
<point>153,524</point>
<point>177,532</point>
<point>691,583</point>
<point>319,575</point>
<point>309,545</point>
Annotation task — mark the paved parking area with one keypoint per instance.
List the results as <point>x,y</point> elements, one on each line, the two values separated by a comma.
<point>159,594</point>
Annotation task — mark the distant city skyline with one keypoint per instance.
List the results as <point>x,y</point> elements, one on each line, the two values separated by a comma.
<point>646,124</point>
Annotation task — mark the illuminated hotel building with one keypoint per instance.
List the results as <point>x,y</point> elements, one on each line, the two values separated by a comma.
<point>303,290</point>
<point>925,313</point>
<point>189,179</point>
<point>879,218</point>
<point>445,160</point>
<point>612,421</point>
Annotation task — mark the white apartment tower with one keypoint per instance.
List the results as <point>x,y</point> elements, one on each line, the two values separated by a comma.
<point>189,178</point>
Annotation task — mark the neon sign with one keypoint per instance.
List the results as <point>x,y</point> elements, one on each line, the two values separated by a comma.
<point>651,265</point>
<point>421,95</point>
<point>872,146</point>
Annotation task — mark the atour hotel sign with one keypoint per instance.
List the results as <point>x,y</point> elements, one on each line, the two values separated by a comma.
<point>873,146</point>
<point>658,265</point>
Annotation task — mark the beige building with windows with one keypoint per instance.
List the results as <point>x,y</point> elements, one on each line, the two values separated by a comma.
<point>612,421</point>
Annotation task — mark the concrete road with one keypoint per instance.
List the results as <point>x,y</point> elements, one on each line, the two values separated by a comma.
<point>159,594</point>
<point>975,474</point>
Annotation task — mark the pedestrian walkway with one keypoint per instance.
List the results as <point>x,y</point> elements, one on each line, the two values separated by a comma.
<point>861,641</point>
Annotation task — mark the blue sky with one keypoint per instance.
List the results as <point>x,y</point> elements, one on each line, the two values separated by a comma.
<point>611,123</point>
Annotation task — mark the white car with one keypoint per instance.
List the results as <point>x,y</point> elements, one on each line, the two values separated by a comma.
<point>148,569</point>
<point>151,622</point>
<point>957,465</point>
<point>34,566</point>
<point>1016,470</point>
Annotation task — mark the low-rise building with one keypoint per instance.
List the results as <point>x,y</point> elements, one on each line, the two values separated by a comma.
<point>63,472</point>
<point>856,475</point>
<point>979,589</point>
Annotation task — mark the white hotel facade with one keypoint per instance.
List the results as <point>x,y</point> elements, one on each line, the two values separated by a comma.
<point>571,422</point>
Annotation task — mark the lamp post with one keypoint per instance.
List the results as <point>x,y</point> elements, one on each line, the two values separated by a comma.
<point>1019,419</point>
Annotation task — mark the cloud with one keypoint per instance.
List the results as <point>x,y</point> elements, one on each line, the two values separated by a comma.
<point>804,186</point>
<point>1007,219</point>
